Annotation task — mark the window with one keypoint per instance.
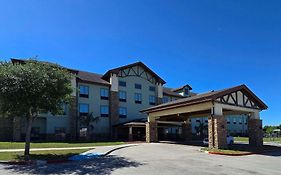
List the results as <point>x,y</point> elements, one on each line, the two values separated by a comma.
<point>198,121</point>
<point>227,121</point>
<point>137,86</point>
<point>104,111</point>
<point>84,109</point>
<point>122,112</point>
<point>122,83</point>
<point>240,121</point>
<point>138,98</point>
<point>104,94</point>
<point>152,100</point>
<point>234,121</point>
<point>152,88</point>
<point>165,100</point>
<point>84,91</point>
<point>186,91</point>
<point>122,96</point>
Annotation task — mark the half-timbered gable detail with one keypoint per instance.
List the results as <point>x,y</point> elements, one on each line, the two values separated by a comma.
<point>239,96</point>
<point>137,69</point>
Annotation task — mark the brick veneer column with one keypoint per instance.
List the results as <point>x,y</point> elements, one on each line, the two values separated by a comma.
<point>217,129</point>
<point>255,132</point>
<point>186,131</point>
<point>113,112</point>
<point>73,112</point>
<point>151,132</point>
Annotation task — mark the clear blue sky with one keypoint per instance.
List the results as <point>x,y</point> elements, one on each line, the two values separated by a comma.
<point>208,44</point>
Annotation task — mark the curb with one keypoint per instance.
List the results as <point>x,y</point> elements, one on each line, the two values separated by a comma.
<point>224,154</point>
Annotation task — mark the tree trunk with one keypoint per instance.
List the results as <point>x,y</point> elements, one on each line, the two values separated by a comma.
<point>27,137</point>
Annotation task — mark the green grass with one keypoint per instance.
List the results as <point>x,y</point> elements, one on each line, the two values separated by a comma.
<point>20,145</point>
<point>41,155</point>
<point>224,151</point>
<point>246,139</point>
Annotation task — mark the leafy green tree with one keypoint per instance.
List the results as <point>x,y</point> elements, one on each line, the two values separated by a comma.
<point>31,87</point>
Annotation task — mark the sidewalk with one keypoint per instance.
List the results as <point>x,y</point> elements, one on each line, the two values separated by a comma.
<point>45,149</point>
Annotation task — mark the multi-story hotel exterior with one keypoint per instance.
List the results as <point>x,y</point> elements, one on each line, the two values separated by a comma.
<point>114,100</point>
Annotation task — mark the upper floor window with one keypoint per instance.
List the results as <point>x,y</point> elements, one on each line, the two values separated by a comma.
<point>152,100</point>
<point>138,98</point>
<point>122,83</point>
<point>152,88</point>
<point>137,86</point>
<point>122,96</point>
<point>83,109</point>
<point>122,112</point>
<point>104,94</point>
<point>165,100</point>
<point>104,111</point>
<point>84,91</point>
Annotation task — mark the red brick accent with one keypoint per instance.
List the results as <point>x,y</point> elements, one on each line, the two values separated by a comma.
<point>151,132</point>
<point>217,129</point>
<point>255,132</point>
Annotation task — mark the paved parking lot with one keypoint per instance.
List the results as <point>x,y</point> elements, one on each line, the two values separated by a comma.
<point>160,158</point>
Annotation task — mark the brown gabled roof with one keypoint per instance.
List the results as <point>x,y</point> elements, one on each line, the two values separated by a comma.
<point>82,76</point>
<point>89,77</point>
<point>169,92</point>
<point>206,97</point>
<point>116,71</point>
<point>182,87</point>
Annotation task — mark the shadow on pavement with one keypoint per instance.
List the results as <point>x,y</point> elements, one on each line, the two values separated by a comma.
<point>103,165</point>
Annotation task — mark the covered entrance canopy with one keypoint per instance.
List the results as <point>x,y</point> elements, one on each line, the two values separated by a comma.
<point>216,105</point>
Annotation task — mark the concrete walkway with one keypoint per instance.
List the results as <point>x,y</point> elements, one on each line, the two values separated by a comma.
<point>45,149</point>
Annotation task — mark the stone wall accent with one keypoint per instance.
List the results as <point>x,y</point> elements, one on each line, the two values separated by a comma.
<point>151,132</point>
<point>217,129</point>
<point>186,131</point>
<point>255,132</point>
<point>73,112</point>
<point>17,129</point>
<point>6,129</point>
<point>113,112</point>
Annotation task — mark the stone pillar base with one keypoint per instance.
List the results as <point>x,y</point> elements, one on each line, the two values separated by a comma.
<point>186,131</point>
<point>255,132</point>
<point>217,129</point>
<point>151,132</point>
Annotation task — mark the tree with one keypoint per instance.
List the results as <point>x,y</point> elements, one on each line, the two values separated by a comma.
<point>88,121</point>
<point>30,87</point>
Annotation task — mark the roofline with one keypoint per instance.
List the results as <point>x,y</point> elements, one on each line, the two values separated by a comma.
<point>116,71</point>
<point>213,97</point>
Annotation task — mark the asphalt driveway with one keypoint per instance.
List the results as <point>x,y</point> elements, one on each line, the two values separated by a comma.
<point>160,158</point>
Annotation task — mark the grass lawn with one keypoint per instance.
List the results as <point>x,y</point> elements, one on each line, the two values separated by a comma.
<point>20,145</point>
<point>246,139</point>
<point>225,151</point>
<point>41,155</point>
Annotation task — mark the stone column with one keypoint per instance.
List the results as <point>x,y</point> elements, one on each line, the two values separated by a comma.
<point>130,133</point>
<point>159,94</point>
<point>255,132</point>
<point>151,132</point>
<point>186,131</point>
<point>73,112</point>
<point>217,129</point>
<point>17,129</point>
<point>114,105</point>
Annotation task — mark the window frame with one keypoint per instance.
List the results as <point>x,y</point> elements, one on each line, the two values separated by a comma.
<point>152,88</point>
<point>84,95</point>
<point>125,96</point>
<point>121,115</point>
<point>122,83</point>
<point>84,113</point>
<point>138,86</point>
<point>137,100</point>
<point>152,102</point>
<point>104,96</point>
<point>101,111</point>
